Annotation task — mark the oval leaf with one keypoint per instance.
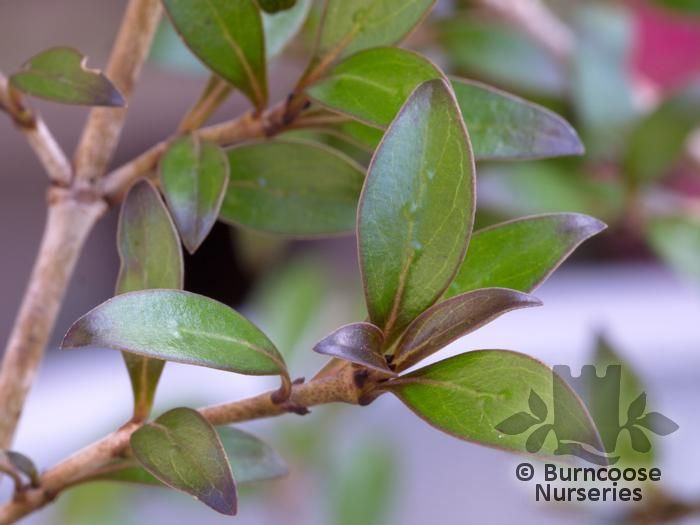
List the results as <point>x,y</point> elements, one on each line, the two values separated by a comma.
<point>521,254</point>
<point>228,37</point>
<point>183,451</point>
<point>150,255</point>
<point>505,127</point>
<point>359,343</point>
<point>417,209</point>
<point>282,26</point>
<point>194,175</point>
<point>251,460</point>
<point>449,320</point>
<point>348,27</point>
<point>178,326</point>
<point>59,74</point>
<point>372,85</point>
<point>468,395</point>
<point>293,188</point>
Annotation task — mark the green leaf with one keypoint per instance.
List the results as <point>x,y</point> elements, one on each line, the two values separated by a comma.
<point>228,37</point>
<point>449,320</point>
<point>500,53</point>
<point>676,239</point>
<point>373,84</point>
<point>292,188</point>
<point>359,343</point>
<point>251,460</point>
<point>194,175</point>
<point>517,423</point>
<point>468,395</point>
<point>537,439</point>
<point>505,127</point>
<point>658,424</point>
<point>521,254</point>
<point>348,27</point>
<point>537,406</point>
<point>273,6</point>
<point>59,74</point>
<point>178,326</point>
<point>640,442</point>
<point>150,255</point>
<point>183,450</point>
<point>658,140</point>
<point>282,26</point>
<point>417,209</point>
<point>690,7</point>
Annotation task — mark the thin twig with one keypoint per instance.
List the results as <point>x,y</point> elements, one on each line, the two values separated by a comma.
<point>104,125</point>
<point>215,93</point>
<point>339,388</point>
<point>38,136</point>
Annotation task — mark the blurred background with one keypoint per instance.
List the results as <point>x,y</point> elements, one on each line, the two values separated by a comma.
<point>625,74</point>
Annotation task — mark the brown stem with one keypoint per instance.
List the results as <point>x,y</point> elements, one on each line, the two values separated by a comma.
<point>104,125</point>
<point>215,93</point>
<point>37,134</point>
<point>69,220</point>
<point>338,388</point>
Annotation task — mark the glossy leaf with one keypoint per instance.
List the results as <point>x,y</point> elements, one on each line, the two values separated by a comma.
<point>251,460</point>
<point>373,84</point>
<point>449,320</point>
<point>59,74</point>
<point>417,209</point>
<point>292,188</point>
<point>150,255</point>
<point>194,175</point>
<point>228,37</point>
<point>359,343</point>
<point>676,239</point>
<point>659,139</point>
<point>521,254</point>
<point>183,450</point>
<point>178,326</point>
<point>505,127</point>
<point>282,26</point>
<point>348,27</point>
<point>273,6</point>
<point>469,394</point>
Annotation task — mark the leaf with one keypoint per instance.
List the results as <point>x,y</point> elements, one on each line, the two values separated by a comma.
<point>690,7</point>
<point>636,408</point>
<point>498,52</point>
<point>150,255</point>
<point>658,140</point>
<point>449,320</point>
<point>292,188</point>
<point>348,27</point>
<point>416,210</point>
<point>521,254</point>
<point>517,423</point>
<point>640,442</point>
<point>183,451</point>
<point>228,37</point>
<point>359,343</point>
<point>505,127</point>
<point>658,424</point>
<point>178,326</point>
<point>59,74</point>
<point>273,6</point>
<point>373,84</point>
<point>536,440</point>
<point>282,26</point>
<point>537,406</point>
<point>251,460</point>
<point>676,239</point>
<point>194,175</point>
<point>468,395</point>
